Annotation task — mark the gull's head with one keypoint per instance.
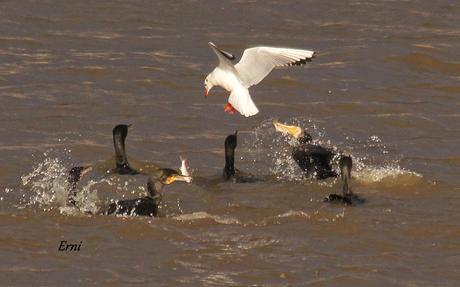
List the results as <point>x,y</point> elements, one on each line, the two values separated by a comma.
<point>208,84</point>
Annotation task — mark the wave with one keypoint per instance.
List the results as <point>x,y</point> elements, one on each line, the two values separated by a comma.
<point>330,216</point>
<point>421,61</point>
<point>204,216</point>
<point>387,175</point>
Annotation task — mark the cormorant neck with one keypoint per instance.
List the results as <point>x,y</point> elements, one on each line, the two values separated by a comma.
<point>120,153</point>
<point>229,169</point>
<point>154,187</point>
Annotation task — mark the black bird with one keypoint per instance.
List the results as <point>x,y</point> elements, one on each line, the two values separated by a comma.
<point>230,172</point>
<point>315,160</point>
<point>147,205</point>
<point>119,164</point>
<point>122,166</point>
<point>116,165</point>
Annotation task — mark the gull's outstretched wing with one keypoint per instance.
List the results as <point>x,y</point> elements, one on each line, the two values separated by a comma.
<point>225,58</point>
<point>256,63</point>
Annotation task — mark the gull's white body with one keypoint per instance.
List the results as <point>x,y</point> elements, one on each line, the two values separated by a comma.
<point>255,64</point>
<point>227,79</point>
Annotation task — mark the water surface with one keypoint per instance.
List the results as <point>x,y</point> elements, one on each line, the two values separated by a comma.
<point>384,88</point>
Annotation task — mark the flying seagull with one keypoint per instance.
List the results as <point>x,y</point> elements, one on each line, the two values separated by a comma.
<point>255,64</point>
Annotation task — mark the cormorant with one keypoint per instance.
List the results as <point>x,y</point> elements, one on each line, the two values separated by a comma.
<point>117,165</point>
<point>147,205</point>
<point>230,172</point>
<point>315,160</point>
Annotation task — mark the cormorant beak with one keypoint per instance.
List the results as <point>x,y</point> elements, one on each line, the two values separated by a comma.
<point>177,177</point>
<point>293,131</point>
<point>236,133</point>
<point>86,170</point>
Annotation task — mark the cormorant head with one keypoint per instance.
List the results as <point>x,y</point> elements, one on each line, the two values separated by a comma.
<point>208,84</point>
<point>119,136</point>
<point>169,176</point>
<point>76,173</point>
<point>121,130</point>
<point>231,141</point>
<point>305,138</point>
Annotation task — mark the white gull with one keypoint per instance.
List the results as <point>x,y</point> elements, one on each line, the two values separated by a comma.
<point>255,64</point>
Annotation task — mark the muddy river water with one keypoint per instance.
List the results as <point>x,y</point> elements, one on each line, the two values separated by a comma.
<point>384,87</point>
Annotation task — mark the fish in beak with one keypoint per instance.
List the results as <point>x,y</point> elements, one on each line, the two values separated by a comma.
<point>177,177</point>
<point>293,131</point>
<point>185,170</point>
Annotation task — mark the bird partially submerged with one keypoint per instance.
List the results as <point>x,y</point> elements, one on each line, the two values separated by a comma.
<point>255,64</point>
<point>147,205</point>
<point>230,172</point>
<point>115,165</point>
<point>142,206</point>
<point>316,161</point>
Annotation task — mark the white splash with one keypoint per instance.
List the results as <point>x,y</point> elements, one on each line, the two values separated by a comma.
<point>47,184</point>
<point>48,188</point>
<point>372,161</point>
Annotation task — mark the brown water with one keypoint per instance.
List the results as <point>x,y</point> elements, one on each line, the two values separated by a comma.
<point>384,87</point>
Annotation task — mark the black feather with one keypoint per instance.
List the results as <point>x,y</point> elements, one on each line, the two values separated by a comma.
<point>227,54</point>
<point>300,62</point>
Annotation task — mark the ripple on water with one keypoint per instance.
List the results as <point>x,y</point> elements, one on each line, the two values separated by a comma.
<point>205,217</point>
<point>421,61</point>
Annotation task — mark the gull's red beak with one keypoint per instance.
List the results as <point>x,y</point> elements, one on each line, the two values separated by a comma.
<point>205,93</point>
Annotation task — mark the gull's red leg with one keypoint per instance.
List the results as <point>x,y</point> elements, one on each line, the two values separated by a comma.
<point>229,108</point>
